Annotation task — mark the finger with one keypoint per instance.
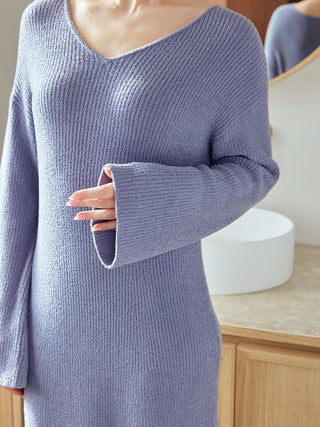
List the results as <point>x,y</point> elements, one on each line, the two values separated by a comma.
<point>104,191</point>
<point>107,225</point>
<point>94,203</point>
<point>108,171</point>
<point>17,391</point>
<point>98,214</point>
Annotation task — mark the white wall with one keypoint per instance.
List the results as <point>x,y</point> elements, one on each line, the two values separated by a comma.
<point>294,111</point>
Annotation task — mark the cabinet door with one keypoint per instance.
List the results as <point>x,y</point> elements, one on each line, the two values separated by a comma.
<point>227,384</point>
<point>276,387</point>
<point>11,409</point>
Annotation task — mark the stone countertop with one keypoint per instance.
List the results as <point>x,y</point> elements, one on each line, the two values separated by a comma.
<point>292,308</point>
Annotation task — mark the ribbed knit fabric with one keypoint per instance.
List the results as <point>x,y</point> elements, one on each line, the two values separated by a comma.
<point>116,328</point>
<point>290,37</point>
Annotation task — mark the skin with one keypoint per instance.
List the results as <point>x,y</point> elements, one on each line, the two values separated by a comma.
<point>309,7</point>
<point>126,24</point>
<point>102,197</point>
<point>115,27</point>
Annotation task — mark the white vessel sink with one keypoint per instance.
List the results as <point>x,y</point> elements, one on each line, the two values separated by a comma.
<point>254,253</point>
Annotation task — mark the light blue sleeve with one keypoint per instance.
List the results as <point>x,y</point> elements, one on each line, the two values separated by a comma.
<point>18,221</point>
<point>273,42</point>
<point>161,208</point>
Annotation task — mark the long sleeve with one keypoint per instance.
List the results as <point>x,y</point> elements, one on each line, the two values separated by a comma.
<point>273,45</point>
<point>280,45</point>
<point>18,221</point>
<point>160,208</point>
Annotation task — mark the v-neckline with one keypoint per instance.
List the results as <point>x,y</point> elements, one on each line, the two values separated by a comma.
<point>131,52</point>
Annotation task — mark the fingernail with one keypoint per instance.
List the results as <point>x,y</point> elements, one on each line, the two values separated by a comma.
<point>72,203</point>
<point>81,215</point>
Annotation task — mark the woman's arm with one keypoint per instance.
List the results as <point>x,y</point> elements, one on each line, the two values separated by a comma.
<point>160,208</point>
<point>18,220</point>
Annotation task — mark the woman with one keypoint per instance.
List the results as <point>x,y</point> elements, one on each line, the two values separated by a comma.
<point>115,327</point>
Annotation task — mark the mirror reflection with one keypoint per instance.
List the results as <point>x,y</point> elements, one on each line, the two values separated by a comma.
<point>292,34</point>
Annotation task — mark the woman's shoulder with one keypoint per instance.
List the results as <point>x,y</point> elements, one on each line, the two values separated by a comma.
<point>235,59</point>
<point>229,16</point>
<point>235,36</point>
<point>236,28</point>
<point>37,11</point>
<point>242,21</point>
<point>283,12</point>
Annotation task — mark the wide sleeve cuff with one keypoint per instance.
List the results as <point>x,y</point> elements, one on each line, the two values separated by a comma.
<point>160,208</point>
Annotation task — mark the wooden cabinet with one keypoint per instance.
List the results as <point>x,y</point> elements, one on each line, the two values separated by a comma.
<point>227,382</point>
<point>11,409</point>
<point>267,379</point>
<point>268,384</point>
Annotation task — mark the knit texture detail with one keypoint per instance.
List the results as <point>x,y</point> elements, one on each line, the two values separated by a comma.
<point>116,328</point>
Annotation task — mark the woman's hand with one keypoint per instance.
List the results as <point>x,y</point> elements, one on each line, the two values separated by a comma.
<point>103,197</point>
<point>17,391</point>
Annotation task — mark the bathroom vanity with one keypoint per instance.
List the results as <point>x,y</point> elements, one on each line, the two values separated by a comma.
<point>270,363</point>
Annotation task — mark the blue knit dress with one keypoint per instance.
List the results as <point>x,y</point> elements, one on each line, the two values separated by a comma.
<point>115,328</point>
